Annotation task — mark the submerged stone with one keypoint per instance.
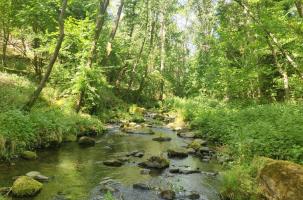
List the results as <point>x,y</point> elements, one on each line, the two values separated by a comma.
<point>138,154</point>
<point>113,163</point>
<point>141,186</point>
<point>186,134</point>
<point>168,194</point>
<point>37,176</point>
<point>162,139</point>
<point>86,141</point>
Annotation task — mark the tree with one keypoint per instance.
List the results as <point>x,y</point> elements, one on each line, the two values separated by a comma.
<point>52,61</point>
<point>93,52</point>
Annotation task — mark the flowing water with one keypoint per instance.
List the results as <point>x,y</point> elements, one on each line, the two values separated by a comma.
<point>75,172</point>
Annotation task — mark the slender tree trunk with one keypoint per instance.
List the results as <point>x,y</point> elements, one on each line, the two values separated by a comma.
<point>113,33</point>
<point>151,44</point>
<point>286,54</point>
<point>36,59</point>
<point>115,27</point>
<point>299,5</point>
<point>4,47</point>
<point>53,59</point>
<point>133,71</point>
<point>99,26</point>
<point>162,56</point>
<point>93,52</point>
<point>123,70</point>
<point>282,71</point>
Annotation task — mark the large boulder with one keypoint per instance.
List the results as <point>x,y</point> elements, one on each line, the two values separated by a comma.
<point>25,186</point>
<point>86,141</point>
<point>155,162</point>
<point>29,155</point>
<point>281,180</point>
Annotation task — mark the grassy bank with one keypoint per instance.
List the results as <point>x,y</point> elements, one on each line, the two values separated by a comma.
<point>245,133</point>
<point>51,122</point>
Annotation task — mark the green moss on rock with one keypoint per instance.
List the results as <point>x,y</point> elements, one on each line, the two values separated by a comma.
<point>25,186</point>
<point>281,180</point>
<point>29,155</point>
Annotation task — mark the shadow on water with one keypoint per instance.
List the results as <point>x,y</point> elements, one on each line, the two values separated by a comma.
<point>76,171</point>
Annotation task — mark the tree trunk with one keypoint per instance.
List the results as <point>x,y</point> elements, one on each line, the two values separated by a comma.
<point>133,71</point>
<point>151,44</point>
<point>115,28</point>
<point>93,52</point>
<point>123,70</point>
<point>282,71</point>
<point>113,33</point>
<point>4,47</point>
<point>99,26</point>
<point>53,59</point>
<point>299,5</point>
<point>275,41</point>
<point>162,56</point>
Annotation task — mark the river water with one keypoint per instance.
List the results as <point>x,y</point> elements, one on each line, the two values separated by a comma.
<point>75,172</point>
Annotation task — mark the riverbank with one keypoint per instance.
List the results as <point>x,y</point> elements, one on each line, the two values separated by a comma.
<point>51,122</point>
<point>244,134</point>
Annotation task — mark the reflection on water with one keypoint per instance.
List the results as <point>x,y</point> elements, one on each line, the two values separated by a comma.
<point>75,171</point>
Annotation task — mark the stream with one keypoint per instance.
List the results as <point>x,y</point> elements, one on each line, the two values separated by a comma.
<point>75,172</point>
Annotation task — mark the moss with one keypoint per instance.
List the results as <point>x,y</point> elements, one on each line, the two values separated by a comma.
<point>25,186</point>
<point>196,144</point>
<point>281,180</point>
<point>29,155</point>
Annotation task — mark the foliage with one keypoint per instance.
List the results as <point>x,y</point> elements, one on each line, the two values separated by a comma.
<point>47,124</point>
<point>272,130</point>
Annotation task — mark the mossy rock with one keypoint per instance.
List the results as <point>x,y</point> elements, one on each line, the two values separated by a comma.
<point>155,162</point>
<point>281,180</point>
<point>29,155</point>
<point>197,144</point>
<point>26,187</point>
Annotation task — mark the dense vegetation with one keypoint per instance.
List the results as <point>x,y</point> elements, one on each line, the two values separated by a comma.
<point>234,70</point>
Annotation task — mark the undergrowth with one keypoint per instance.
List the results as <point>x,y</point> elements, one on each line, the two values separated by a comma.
<point>272,130</point>
<point>49,123</point>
